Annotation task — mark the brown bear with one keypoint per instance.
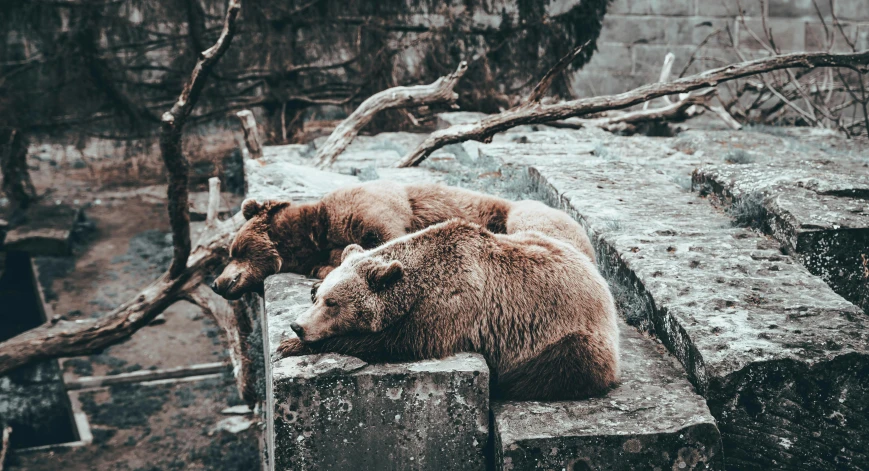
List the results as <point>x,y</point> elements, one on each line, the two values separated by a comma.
<point>534,306</point>
<point>280,236</point>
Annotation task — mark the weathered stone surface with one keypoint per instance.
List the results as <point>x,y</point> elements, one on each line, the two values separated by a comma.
<point>46,230</point>
<point>652,420</point>
<point>815,203</point>
<point>781,358</point>
<point>273,177</point>
<point>338,412</point>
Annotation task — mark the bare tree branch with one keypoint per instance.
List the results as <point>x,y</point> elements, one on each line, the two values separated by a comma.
<point>64,338</point>
<point>544,83</point>
<point>541,113</point>
<point>170,139</point>
<point>440,91</point>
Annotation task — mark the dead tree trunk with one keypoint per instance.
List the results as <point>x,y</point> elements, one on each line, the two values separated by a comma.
<point>536,113</point>
<point>170,140</point>
<point>17,185</point>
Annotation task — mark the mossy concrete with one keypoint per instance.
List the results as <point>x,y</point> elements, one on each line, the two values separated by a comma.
<point>652,420</point>
<point>782,360</point>
<point>814,202</point>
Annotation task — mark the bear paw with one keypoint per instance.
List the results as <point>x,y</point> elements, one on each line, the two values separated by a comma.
<point>292,347</point>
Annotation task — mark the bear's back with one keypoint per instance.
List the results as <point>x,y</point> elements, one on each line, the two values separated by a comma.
<point>435,203</point>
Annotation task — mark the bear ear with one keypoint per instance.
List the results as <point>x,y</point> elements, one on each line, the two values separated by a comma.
<point>383,275</point>
<point>250,208</point>
<point>350,250</point>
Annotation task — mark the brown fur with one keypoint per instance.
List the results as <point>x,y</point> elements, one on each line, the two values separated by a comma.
<point>308,238</point>
<point>535,307</point>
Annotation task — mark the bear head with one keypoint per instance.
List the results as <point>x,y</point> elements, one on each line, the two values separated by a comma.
<point>361,296</point>
<point>277,237</point>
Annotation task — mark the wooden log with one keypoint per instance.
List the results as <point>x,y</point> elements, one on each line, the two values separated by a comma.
<point>438,92</point>
<point>251,134</point>
<point>537,113</point>
<point>87,382</point>
<point>213,201</point>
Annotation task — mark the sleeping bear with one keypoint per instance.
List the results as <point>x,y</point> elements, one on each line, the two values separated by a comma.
<point>534,306</point>
<point>280,236</point>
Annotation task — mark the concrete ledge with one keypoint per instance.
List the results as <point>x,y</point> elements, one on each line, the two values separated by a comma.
<point>47,230</point>
<point>782,360</point>
<point>338,412</point>
<point>652,420</point>
<point>814,204</point>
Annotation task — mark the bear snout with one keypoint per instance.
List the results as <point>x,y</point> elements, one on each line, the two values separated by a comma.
<point>299,330</point>
<point>224,284</point>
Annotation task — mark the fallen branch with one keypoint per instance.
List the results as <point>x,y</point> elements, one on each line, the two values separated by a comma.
<point>543,113</point>
<point>559,67</point>
<point>440,91</point>
<point>63,338</point>
<point>170,140</point>
<point>623,121</point>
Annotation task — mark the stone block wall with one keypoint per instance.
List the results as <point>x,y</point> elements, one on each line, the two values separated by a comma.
<point>637,34</point>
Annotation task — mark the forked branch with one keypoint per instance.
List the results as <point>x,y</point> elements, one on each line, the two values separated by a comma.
<point>170,139</point>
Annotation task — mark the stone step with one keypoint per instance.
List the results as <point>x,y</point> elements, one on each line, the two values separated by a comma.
<point>47,229</point>
<point>652,420</point>
<point>781,359</point>
<point>338,412</point>
<point>814,202</point>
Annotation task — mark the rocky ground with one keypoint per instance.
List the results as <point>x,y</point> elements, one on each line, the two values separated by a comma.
<point>157,426</point>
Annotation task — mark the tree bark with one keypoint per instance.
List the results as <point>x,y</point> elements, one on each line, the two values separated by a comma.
<point>170,140</point>
<point>536,113</point>
<point>17,185</point>
<point>440,91</point>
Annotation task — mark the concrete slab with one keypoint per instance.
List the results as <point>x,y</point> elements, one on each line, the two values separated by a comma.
<point>652,420</point>
<point>46,230</point>
<point>815,203</point>
<point>782,360</point>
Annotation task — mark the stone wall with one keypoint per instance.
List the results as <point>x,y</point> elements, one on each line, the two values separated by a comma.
<point>637,34</point>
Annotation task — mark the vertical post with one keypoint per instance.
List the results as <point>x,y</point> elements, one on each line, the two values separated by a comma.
<point>213,201</point>
<point>251,134</point>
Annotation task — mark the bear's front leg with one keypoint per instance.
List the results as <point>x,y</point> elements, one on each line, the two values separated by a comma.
<point>293,347</point>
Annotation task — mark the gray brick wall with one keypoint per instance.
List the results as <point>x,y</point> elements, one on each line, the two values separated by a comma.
<point>637,34</point>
